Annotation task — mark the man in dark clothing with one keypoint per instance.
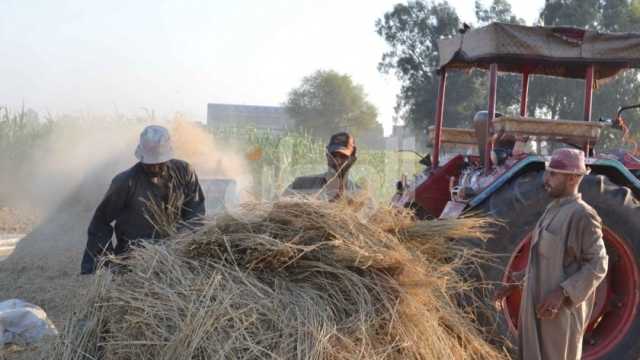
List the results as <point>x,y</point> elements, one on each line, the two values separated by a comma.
<point>157,179</point>
<point>335,183</point>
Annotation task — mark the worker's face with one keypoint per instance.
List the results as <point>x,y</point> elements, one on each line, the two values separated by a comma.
<point>336,160</point>
<point>560,185</point>
<point>154,170</point>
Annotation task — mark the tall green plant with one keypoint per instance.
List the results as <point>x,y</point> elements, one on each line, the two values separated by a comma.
<point>276,159</point>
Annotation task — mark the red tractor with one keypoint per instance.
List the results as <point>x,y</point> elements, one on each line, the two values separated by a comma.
<point>504,179</point>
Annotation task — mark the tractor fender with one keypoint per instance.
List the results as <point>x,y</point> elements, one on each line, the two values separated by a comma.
<point>528,164</point>
<point>612,169</point>
<point>617,173</point>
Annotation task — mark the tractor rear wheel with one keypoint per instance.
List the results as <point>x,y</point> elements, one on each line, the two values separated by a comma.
<point>615,323</point>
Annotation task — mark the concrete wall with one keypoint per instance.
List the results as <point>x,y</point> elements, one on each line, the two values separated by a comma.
<point>262,117</point>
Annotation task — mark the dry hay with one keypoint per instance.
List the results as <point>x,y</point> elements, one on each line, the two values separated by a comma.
<point>309,280</point>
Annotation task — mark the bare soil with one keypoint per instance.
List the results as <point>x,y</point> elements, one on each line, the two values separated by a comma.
<point>44,268</point>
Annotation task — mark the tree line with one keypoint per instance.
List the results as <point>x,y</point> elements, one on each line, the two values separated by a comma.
<point>411,31</point>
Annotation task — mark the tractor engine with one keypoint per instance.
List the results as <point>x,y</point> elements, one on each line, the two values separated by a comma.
<point>473,177</point>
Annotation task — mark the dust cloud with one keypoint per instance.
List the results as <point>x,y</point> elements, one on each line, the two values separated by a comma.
<point>63,178</point>
<point>72,167</point>
<point>193,143</point>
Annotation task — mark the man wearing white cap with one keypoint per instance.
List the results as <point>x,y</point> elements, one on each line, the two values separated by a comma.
<point>567,261</point>
<point>156,178</point>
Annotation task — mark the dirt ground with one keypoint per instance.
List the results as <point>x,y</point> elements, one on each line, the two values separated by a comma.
<point>44,268</point>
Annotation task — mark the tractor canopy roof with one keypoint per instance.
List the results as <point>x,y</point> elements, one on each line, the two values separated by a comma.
<point>555,51</point>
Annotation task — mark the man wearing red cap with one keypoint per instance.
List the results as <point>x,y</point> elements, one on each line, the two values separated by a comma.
<point>333,184</point>
<point>567,261</point>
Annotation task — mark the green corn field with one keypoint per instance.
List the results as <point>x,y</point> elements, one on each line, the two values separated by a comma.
<point>274,159</point>
<point>19,132</point>
<point>284,156</point>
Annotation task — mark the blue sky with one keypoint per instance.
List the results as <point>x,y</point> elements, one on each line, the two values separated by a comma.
<point>78,56</point>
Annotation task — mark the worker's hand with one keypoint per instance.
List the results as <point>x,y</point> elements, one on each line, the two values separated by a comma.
<point>503,292</point>
<point>352,160</point>
<point>551,304</point>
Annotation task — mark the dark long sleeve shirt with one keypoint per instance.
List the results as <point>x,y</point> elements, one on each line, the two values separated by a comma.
<point>123,209</point>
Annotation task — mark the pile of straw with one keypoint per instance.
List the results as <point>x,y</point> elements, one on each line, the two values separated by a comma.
<point>302,280</point>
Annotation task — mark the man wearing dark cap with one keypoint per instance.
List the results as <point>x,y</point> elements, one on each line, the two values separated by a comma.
<point>333,184</point>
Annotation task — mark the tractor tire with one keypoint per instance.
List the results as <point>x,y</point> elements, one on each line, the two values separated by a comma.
<point>520,203</point>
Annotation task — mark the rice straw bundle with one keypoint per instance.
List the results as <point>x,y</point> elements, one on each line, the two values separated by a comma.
<point>309,280</point>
